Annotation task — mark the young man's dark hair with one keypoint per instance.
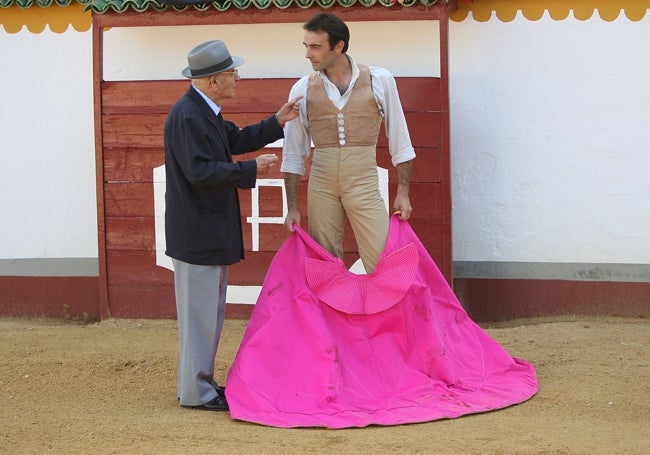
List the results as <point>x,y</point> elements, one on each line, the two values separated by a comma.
<point>333,26</point>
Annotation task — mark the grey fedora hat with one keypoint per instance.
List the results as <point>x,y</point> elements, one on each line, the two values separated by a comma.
<point>209,58</point>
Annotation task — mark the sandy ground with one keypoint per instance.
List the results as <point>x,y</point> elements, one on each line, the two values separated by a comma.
<point>110,388</point>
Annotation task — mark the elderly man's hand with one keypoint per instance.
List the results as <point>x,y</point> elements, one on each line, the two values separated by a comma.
<point>265,162</point>
<point>289,111</point>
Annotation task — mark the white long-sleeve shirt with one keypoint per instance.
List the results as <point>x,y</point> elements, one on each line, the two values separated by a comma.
<point>297,140</point>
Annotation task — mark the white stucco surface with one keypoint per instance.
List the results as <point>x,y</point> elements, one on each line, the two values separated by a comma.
<point>47,150</point>
<point>550,141</point>
<point>270,50</point>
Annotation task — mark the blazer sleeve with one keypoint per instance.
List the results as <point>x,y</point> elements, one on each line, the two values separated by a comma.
<point>253,137</point>
<point>202,156</point>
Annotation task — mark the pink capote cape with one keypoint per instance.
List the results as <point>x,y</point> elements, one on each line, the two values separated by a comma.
<point>326,347</point>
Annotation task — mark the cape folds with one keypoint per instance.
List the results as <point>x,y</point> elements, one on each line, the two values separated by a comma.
<point>326,347</point>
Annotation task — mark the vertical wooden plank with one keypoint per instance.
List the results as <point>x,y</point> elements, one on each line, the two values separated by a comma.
<point>446,265</point>
<point>98,47</point>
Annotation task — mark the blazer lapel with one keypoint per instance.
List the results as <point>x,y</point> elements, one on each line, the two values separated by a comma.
<point>220,124</point>
<point>216,121</point>
<point>221,128</point>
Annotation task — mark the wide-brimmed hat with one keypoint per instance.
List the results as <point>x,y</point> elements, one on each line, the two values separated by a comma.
<point>209,58</point>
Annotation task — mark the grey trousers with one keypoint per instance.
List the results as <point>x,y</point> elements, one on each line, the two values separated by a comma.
<point>201,310</point>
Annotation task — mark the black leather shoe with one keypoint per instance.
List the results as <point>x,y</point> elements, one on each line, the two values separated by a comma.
<point>218,403</point>
<point>219,389</point>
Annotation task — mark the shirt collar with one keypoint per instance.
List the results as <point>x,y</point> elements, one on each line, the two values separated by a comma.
<point>214,106</point>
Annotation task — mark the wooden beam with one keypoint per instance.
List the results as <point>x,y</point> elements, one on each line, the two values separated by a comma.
<point>446,265</point>
<point>293,14</point>
<point>98,47</point>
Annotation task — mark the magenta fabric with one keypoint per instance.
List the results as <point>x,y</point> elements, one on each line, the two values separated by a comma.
<point>326,347</point>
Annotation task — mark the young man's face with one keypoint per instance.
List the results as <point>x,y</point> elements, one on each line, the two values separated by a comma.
<point>318,50</point>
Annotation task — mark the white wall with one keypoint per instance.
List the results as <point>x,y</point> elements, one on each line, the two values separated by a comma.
<point>270,50</point>
<point>550,144</point>
<point>47,161</point>
<point>551,140</point>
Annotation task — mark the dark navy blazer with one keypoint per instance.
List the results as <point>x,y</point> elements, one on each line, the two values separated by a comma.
<point>202,215</point>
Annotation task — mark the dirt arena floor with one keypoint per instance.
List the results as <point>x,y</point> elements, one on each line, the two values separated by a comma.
<point>110,388</point>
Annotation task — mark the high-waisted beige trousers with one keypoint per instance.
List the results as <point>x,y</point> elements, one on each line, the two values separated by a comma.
<point>344,181</point>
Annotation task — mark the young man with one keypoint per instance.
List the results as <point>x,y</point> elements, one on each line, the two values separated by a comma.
<point>343,107</point>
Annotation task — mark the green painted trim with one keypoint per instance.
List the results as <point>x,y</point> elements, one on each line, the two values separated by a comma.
<point>41,3</point>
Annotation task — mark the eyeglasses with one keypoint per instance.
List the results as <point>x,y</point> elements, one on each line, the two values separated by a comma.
<point>234,72</point>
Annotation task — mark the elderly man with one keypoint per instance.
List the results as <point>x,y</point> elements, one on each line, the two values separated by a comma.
<point>202,218</point>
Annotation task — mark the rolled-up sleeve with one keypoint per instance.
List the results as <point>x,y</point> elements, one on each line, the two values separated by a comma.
<point>399,141</point>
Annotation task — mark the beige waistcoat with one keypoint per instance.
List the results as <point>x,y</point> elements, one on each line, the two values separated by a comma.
<point>359,121</point>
